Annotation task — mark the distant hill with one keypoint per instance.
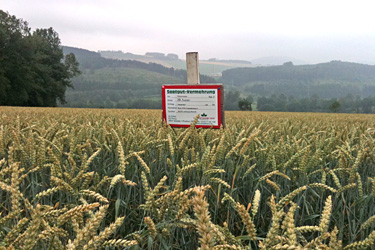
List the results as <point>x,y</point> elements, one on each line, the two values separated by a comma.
<point>111,83</point>
<point>215,67</point>
<point>327,80</point>
<point>110,54</point>
<point>93,60</point>
<point>211,67</point>
<point>169,60</point>
<point>276,60</point>
<point>149,56</point>
<point>229,61</point>
<point>118,88</point>
<point>125,81</point>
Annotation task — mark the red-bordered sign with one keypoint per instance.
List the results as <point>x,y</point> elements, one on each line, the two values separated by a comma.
<point>182,103</point>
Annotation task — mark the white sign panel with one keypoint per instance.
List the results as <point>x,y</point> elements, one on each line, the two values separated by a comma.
<point>182,105</point>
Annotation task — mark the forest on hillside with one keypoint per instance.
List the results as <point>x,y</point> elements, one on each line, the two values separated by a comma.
<point>113,83</point>
<point>334,79</point>
<point>327,87</point>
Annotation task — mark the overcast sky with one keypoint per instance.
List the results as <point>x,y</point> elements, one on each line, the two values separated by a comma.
<point>312,31</point>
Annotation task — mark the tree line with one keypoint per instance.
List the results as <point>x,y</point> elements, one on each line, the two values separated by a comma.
<point>282,103</point>
<point>346,104</point>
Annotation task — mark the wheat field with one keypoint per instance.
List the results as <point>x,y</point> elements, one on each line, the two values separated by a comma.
<point>121,179</point>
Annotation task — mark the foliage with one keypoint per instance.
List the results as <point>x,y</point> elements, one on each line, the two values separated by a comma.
<point>231,99</point>
<point>244,104</point>
<point>32,72</point>
<point>95,179</point>
<point>335,106</point>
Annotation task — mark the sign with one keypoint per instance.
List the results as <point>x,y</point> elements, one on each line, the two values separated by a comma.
<point>182,103</point>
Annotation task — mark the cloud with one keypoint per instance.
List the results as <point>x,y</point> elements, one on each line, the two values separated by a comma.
<point>313,31</point>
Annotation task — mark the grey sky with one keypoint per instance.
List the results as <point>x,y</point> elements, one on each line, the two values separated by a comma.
<point>312,31</point>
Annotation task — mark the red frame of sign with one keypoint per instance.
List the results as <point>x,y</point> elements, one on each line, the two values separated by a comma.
<point>197,86</point>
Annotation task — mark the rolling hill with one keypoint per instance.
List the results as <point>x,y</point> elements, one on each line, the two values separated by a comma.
<point>120,83</point>
<point>334,79</point>
<point>212,67</point>
<point>112,83</point>
<point>276,60</point>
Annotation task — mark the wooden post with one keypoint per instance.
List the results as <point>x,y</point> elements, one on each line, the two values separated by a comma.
<point>192,68</point>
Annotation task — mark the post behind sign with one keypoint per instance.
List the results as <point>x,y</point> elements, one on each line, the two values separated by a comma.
<point>192,68</point>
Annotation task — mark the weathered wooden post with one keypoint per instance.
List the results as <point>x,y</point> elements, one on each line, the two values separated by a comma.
<point>192,68</point>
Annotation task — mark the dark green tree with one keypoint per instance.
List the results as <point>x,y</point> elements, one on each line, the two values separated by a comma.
<point>231,100</point>
<point>367,104</point>
<point>244,104</point>
<point>288,64</point>
<point>335,106</point>
<point>33,71</point>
